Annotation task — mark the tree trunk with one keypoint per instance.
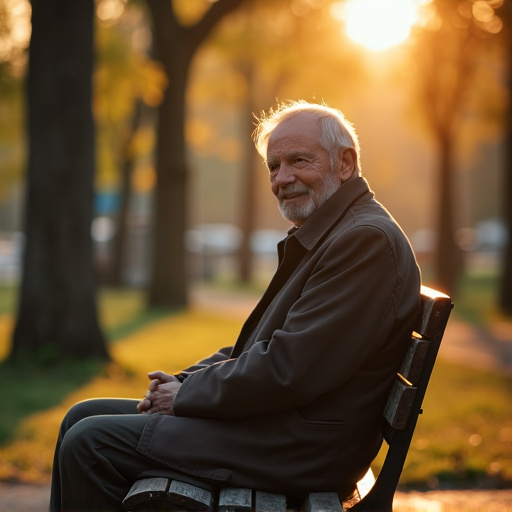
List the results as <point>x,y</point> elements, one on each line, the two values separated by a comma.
<point>176,45</point>
<point>57,316</point>
<point>249,185</point>
<point>168,286</point>
<point>115,270</point>
<point>505,294</point>
<point>447,257</point>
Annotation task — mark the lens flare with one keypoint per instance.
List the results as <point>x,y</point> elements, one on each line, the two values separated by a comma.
<point>380,24</point>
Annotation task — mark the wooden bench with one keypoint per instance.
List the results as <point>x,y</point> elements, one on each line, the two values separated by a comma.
<point>372,495</point>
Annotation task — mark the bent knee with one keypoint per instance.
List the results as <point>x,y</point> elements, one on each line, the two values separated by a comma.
<point>78,412</point>
<point>97,407</point>
<point>78,440</point>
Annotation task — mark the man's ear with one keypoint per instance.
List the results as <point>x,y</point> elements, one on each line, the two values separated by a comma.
<point>347,167</point>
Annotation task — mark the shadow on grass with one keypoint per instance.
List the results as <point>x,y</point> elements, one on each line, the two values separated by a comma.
<point>30,387</point>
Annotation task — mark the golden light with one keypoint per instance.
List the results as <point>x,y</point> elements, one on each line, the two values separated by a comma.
<point>143,178</point>
<point>110,10</point>
<point>15,30</point>
<point>378,24</point>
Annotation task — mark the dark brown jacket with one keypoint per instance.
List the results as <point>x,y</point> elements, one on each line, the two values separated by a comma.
<point>296,405</point>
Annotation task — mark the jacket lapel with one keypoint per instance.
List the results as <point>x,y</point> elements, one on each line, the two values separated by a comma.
<point>292,249</point>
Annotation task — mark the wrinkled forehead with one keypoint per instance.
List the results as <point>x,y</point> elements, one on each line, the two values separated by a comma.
<point>301,126</point>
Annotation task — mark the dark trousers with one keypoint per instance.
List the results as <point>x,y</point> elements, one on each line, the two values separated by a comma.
<point>96,460</point>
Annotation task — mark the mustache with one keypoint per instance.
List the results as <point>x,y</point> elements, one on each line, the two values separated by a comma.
<point>292,190</point>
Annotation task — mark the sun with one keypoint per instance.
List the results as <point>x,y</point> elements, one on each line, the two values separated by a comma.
<point>379,24</point>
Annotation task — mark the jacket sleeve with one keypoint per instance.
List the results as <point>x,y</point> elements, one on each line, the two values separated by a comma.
<point>349,305</point>
<point>220,355</point>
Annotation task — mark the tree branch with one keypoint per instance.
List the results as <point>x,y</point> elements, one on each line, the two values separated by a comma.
<point>200,31</point>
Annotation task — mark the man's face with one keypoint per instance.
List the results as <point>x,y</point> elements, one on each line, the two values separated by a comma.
<point>301,174</point>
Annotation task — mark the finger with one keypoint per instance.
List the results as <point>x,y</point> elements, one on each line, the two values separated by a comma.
<point>153,385</point>
<point>144,405</point>
<point>158,375</point>
<point>162,377</point>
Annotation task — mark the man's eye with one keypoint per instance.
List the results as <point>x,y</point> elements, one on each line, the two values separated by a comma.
<point>273,172</point>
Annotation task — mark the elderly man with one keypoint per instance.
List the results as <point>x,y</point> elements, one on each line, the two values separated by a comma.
<point>295,404</point>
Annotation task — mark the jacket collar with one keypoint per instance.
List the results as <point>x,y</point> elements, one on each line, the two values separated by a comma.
<point>331,211</point>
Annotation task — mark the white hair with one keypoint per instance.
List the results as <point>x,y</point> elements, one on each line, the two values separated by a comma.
<point>336,131</point>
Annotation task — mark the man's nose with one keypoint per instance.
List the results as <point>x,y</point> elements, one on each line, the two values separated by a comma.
<point>285,175</point>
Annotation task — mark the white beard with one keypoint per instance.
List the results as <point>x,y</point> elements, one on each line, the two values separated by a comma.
<point>299,214</point>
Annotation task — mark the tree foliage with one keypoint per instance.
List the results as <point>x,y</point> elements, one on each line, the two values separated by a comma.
<point>124,75</point>
<point>14,37</point>
<point>177,38</point>
<point>451,46</point>
<point>128,86</point>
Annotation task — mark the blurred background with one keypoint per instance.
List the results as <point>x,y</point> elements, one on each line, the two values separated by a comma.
<point>424,82</point>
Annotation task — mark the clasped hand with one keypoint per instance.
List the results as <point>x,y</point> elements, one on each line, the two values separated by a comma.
<point>160,396</point>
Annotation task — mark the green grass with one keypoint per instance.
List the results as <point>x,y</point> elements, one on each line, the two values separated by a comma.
<point>8,298</point>
<point>31,388</point>
<point>464,437</point>
<point>476,300</point>
<point>123,311</point>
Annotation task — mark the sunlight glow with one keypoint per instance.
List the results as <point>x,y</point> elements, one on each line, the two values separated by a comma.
<point>378,24</point>
<point>15,30</point>
<point>110,10</point>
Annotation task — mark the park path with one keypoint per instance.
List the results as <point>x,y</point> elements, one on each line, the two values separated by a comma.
<point>471,346</point>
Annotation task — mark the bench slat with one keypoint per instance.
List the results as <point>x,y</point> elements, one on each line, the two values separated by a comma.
<point>190,496</point>
<point>268,502</point>
<point>412,365</point>
<point>435,310</point>
<point>146,490</point>
<point>399,404</point>
<point>234,499</point>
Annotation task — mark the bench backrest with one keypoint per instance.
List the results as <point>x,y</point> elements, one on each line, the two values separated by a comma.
<point>405,400</point>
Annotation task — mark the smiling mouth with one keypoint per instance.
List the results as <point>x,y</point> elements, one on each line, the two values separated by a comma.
<point>290,195</point>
